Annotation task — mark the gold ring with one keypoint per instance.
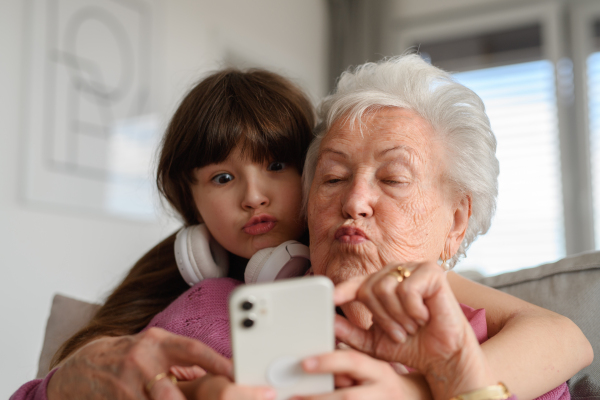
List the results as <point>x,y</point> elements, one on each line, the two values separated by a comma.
<point>157,378</point>
<point>400,273</point>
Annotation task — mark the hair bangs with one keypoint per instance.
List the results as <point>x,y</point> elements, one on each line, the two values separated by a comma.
<point>262,113</point>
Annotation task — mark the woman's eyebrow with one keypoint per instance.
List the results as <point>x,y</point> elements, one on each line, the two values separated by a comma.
<point>406,149</point>
<point>333,151</point>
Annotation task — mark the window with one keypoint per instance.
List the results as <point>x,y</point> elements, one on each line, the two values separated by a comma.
<point>528,227</point>
<point>525,61</point>
<point>593,83</point>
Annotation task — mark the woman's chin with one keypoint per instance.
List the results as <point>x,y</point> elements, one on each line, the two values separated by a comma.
<point>346,265</point>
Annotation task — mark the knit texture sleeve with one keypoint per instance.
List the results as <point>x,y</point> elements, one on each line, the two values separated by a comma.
<point>201,313</point>
<point>34,390</point>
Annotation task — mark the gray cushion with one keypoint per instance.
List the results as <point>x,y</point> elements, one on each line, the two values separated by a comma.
<point>67,316</point>
<point>570,287</point>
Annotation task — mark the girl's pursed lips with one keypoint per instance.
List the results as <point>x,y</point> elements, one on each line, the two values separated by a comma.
<point>259,224</point>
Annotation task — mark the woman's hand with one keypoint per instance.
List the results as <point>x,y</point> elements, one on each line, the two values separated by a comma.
<point>121,367</point>
<point>416,322</point>
<point>358,376</point>
<point>420,312</point>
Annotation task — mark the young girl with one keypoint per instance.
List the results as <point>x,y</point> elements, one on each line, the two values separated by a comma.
<point>231,159</point>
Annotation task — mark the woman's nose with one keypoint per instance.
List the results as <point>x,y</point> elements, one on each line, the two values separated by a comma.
<point>255,196</point>
<point>359,200</point>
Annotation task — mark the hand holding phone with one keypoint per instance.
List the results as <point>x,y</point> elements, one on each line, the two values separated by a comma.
<point>274,326</point>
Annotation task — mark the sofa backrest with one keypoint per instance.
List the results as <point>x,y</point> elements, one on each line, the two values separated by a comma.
<point>570,287</point>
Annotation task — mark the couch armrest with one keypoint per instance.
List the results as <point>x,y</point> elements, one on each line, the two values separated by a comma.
<point>570,287</point>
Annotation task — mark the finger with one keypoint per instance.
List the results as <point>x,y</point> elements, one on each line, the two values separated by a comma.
<point>342,381</point>
<point>400,369</point>
<point>187,373</point>
<point>367,296</point>
<point>185,351</point>
<point>356,392</point>
<point>345,292</point>
<point>165,389</point>
<point>386,291</point>
<point>352,335</point>
<point>355,365</point>
<point>425,282</point>
<point>222,388</point>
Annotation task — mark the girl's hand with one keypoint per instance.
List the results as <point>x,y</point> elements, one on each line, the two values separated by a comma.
<point>219,387</point>
<point>358,376</point>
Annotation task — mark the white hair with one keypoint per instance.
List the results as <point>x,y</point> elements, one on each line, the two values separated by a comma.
<point>455,112</point>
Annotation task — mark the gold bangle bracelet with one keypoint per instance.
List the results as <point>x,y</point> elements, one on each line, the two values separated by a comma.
<point>494,392</point>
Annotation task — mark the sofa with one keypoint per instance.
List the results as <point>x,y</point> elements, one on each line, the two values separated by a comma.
<point>570,286</point>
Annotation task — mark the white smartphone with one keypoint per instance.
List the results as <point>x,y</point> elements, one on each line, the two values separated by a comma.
<point>274,326</point>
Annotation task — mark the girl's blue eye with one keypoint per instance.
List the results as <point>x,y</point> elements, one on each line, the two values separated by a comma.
<point>222,179</point>
<point>276,166</point>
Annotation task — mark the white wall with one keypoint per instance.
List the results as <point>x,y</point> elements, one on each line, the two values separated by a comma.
<point>46,251</point>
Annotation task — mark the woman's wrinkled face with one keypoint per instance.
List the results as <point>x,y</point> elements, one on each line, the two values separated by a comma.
<point>378,195</point>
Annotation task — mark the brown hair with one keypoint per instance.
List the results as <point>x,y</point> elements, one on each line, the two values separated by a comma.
<point>263,113</point>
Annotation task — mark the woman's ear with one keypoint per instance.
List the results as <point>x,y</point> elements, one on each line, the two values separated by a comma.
<point>460,223</point>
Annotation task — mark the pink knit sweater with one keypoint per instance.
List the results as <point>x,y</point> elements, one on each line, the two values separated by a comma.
<point>202,313</point>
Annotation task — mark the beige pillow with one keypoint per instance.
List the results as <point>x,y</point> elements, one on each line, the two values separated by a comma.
<point>67,316</point>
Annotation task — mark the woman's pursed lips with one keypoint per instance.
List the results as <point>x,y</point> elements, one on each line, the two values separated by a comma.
<point>350,235</point>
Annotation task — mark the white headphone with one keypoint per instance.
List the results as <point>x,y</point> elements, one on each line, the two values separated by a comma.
<point>199,256</point>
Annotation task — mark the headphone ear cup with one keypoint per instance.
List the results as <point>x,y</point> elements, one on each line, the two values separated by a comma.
<point>256,263</point>
<point>199,255</point>
<point>289,259</point>
<point>209,258</point>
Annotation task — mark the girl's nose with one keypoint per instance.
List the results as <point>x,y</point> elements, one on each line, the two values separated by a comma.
<point>255,195</point>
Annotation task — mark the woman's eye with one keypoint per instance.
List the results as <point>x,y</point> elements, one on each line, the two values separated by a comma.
<point>276,166</point>
<point>222,179</point>
<point>332,181</point>
<point>395,182</point>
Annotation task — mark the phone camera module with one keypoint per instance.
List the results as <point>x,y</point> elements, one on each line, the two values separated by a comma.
<point>247,305</point>
<point>248,322</point>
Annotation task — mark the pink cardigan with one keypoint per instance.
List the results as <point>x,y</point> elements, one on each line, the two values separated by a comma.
<point>201,313</point>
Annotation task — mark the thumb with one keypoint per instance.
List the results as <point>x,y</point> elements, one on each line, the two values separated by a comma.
<point>353,336</point>
<point>345,292</point>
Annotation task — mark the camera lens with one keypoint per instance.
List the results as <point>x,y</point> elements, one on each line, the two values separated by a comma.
<point>248,322</point>
<point>247,305</point>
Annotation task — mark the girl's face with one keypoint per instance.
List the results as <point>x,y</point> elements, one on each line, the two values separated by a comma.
<point>248,206</point>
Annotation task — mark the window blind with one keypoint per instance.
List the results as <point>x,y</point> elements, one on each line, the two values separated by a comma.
<point>507,70</point>
<point>528,228</point>
<point>593,80</point>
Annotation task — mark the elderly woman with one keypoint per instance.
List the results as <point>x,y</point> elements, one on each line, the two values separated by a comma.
<point>402,174</point>
<point>403,170</point>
